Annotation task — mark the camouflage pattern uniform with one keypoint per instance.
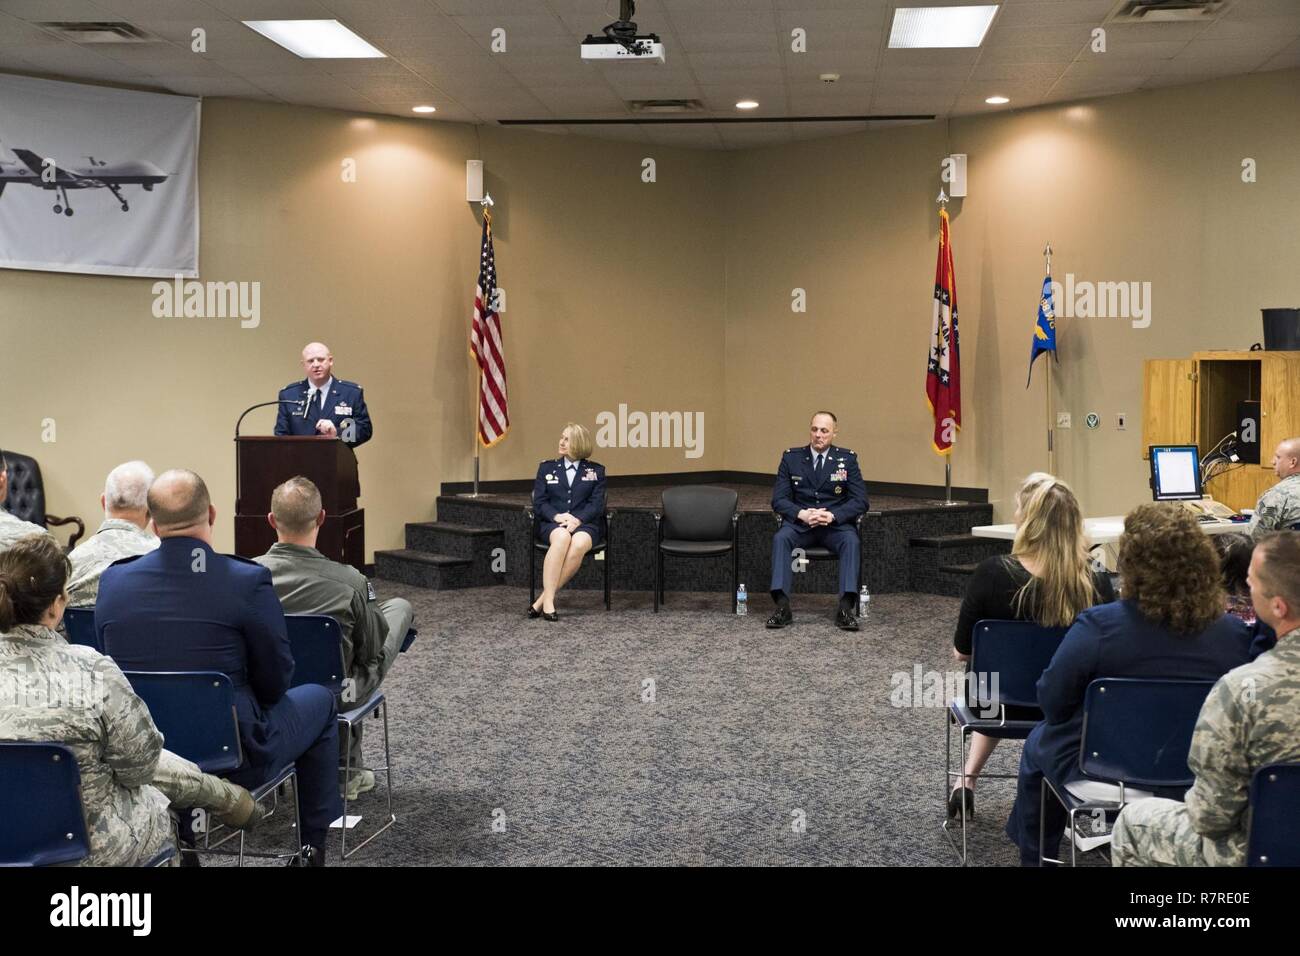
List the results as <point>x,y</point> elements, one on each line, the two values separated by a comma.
<point>12,528</point>
<point>65,693</point>
<point>116,538</point>
<point>1250,718</point>
<point>1278,508</point>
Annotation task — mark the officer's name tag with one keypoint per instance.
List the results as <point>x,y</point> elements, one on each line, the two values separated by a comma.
<point>342,409</point>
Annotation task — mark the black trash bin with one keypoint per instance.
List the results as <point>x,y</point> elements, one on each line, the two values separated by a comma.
<point>1282,330</point>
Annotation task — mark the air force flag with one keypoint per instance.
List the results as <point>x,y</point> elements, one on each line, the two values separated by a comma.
<point>1044,339</point>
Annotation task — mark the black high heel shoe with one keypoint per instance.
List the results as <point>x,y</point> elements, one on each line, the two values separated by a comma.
<point>552,616</point>
<point>533,613</point>
<point>959,796</point>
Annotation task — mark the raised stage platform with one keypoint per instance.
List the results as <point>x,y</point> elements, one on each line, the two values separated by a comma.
<point>909,543</point>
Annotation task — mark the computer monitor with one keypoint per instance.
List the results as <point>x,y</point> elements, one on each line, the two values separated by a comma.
<point>1175,473</point>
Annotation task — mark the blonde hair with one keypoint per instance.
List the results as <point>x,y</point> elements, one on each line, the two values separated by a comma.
<point>579,441</point>
<point>1051,532</point>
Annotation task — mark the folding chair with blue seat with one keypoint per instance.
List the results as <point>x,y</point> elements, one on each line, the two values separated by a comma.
<point>1016,653</point>
<point>1136,736</point>
<point>1274,821</point>
<point>79,622</point>
<point>195,711</point>
<point>40,804</point>
<point>315,640</point>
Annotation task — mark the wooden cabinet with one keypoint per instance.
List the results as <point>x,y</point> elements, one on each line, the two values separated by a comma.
<point>1194,402</point>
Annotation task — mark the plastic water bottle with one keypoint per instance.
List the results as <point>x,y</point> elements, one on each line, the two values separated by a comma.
<point>864,603</point>
<point>742,598</point>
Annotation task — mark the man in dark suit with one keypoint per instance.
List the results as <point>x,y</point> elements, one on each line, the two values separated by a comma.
<point>184,607</point>
<point>334,408</point>
<point>820,494</point>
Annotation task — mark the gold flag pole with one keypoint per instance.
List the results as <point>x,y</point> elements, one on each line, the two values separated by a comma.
<point>1051,445</point>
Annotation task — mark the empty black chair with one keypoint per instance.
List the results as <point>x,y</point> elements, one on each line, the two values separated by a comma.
<point>26,498</point>
<point>697,521</point>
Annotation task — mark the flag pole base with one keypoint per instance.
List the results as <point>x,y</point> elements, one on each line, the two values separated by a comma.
<point>475,493</point>
<point>947,485</point>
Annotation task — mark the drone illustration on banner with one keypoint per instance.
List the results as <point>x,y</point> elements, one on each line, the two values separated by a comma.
<point>32,170</point>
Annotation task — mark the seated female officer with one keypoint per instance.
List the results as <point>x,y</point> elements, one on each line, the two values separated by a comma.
<point>569,498</point>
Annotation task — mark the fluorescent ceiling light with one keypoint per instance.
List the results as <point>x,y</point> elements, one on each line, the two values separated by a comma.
<point>997,100</point>
<point>424,109</point>
<point>933,27</point>
<point>315,39</point>
<point>747,105</point>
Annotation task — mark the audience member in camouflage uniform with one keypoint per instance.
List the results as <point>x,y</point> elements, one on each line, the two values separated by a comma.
<point>12,528</point>
<point>1278,508</point>
<point>124,533</point>
<point>1251,718</point>
<point>60,693</point>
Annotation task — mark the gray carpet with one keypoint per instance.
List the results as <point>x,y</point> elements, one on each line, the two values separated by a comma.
<point>545,724</point>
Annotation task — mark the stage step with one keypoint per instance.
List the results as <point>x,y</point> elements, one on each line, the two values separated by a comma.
<point>942,564</point>
<point>439,572</point>
<point>457,540</point>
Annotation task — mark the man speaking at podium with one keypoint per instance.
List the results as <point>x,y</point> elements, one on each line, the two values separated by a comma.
<point>333,407</point>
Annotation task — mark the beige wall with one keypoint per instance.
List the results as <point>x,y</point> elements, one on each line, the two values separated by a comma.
<point>1142,187</point>
<point>673,295</point>
<point>613,291</point>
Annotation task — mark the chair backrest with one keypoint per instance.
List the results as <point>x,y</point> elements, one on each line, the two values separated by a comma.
<point>80,625</point>
<point>1017,653</point>
<point>1137,731</point>
<point>40,806</point>
<point>26,497</point>
<point>698,512</point>
<point>315,640</point>
<point>195,710</point>
<point>1274,823</point>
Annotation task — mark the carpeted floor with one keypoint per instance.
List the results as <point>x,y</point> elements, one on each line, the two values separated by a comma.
<point>746,737</point>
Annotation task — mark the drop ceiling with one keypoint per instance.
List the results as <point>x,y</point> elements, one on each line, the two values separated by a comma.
<point>718,51</point>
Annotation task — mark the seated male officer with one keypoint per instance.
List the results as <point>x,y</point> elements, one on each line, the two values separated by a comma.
<point>1278,508</point>
<point>820,493</point>
<point>333,407</point>
<point>184,607</point>
<point>307,582</point>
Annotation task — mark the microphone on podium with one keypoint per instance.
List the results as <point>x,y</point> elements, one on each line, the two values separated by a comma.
<point>306,403</point>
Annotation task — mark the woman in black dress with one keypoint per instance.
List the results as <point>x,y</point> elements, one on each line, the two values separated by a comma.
<point>569,498</point>
<point>1047,578</point>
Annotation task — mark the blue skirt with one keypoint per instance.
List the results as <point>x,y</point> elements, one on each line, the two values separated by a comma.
<point>545,528</point>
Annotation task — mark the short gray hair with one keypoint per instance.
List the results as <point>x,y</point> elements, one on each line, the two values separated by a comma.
<point>127,487</point>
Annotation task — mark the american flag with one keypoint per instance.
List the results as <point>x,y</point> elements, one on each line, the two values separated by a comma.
<point>943,371</point>
<point>487,347</point>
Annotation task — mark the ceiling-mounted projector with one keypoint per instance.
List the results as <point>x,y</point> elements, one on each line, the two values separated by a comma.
<point>621,41</point>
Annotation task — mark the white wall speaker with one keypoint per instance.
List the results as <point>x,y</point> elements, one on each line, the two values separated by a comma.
<point>474,180</point>
<point>957,188</point>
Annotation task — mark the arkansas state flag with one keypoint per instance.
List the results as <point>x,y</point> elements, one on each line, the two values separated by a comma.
<point>943,372</point>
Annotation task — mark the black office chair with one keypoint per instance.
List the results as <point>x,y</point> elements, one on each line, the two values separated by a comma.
<point>817,552</point>
<point>697,521</point>
<point>26,498</point>
<point>535,522</point>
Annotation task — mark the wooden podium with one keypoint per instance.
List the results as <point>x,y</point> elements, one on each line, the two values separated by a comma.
<point>264,461</point>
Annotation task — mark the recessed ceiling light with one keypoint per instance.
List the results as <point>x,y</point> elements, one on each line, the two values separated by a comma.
<point>997,100</point>
<point>424,109</point>
<point>747,105</point>
<point>934,27</point>
<point>315,39</point>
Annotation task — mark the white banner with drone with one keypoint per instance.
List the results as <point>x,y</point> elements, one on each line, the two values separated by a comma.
<point>98,180</point>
